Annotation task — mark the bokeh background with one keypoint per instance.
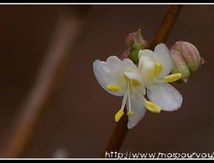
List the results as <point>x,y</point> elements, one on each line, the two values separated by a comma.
<point>80,117</point>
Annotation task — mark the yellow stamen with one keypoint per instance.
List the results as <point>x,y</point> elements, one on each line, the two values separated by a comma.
<point>135,83</point>
<point>152,106</point>
<point>130,113</point>
<point>172,77</point>
<point>113,88</point>
<point>157,69</point>
<point>118,115</point>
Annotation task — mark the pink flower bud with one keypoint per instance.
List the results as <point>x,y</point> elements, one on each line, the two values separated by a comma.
<point>135,43</point>
<point>179,64</point>
<point>186,58</point>
<point>135,38</point>
<point>125,54</point>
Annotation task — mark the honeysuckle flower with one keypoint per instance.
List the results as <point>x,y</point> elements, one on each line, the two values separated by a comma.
<point>122,78</point>
<point>155,67</point>
<point>186,58</point>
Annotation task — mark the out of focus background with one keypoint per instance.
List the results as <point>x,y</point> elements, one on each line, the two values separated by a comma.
<point>77,118</point>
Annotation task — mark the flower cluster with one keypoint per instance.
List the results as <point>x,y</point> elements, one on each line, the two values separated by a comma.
<point>143,86</point>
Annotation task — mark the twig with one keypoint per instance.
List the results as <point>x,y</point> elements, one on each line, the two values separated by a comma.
<point>120,131</point>
<point>166,25</point>
<point>46,85</point>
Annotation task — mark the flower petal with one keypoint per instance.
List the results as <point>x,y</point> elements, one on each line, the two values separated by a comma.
<point>133,76</point>
<point>146,67</point>
<point>137,106</point>
<point>145,53</point>
<point>114,63</point>
<point>129,66</point>
<point>166,96</point>
<point>106,76</point>
<point>163,54</point>
<point>131,71</point>
<point>128,63</point>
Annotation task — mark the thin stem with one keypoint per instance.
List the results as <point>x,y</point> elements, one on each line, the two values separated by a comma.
<point>118,136</point>
<point>120,131</point>
<point>166,25</point>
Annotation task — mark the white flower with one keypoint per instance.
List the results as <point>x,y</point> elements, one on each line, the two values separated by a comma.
<point>155,68</point>
<point>122,78</point>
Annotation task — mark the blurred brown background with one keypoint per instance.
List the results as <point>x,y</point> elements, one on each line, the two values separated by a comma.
<point>79,119</point>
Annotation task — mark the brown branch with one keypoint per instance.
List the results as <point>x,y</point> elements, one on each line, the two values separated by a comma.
<point>166,25</point>
<point>118,136</point>
<point>120,131</point>
<point>47,83</point>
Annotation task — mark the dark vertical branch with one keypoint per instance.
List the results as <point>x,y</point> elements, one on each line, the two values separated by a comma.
<point>120,131</point>
<point>46,85</point>
<point>118,135</point>
<point>166,25</point>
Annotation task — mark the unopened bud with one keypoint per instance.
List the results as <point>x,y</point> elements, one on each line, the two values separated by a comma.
<point>186,58</point>
<point>126,53</point>
<point>135,43</point>
<point>180,65</point>
<point>135,39</point>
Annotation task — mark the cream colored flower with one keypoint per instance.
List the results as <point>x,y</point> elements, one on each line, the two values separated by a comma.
<point>122,78</point>
<point>155,67</point>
